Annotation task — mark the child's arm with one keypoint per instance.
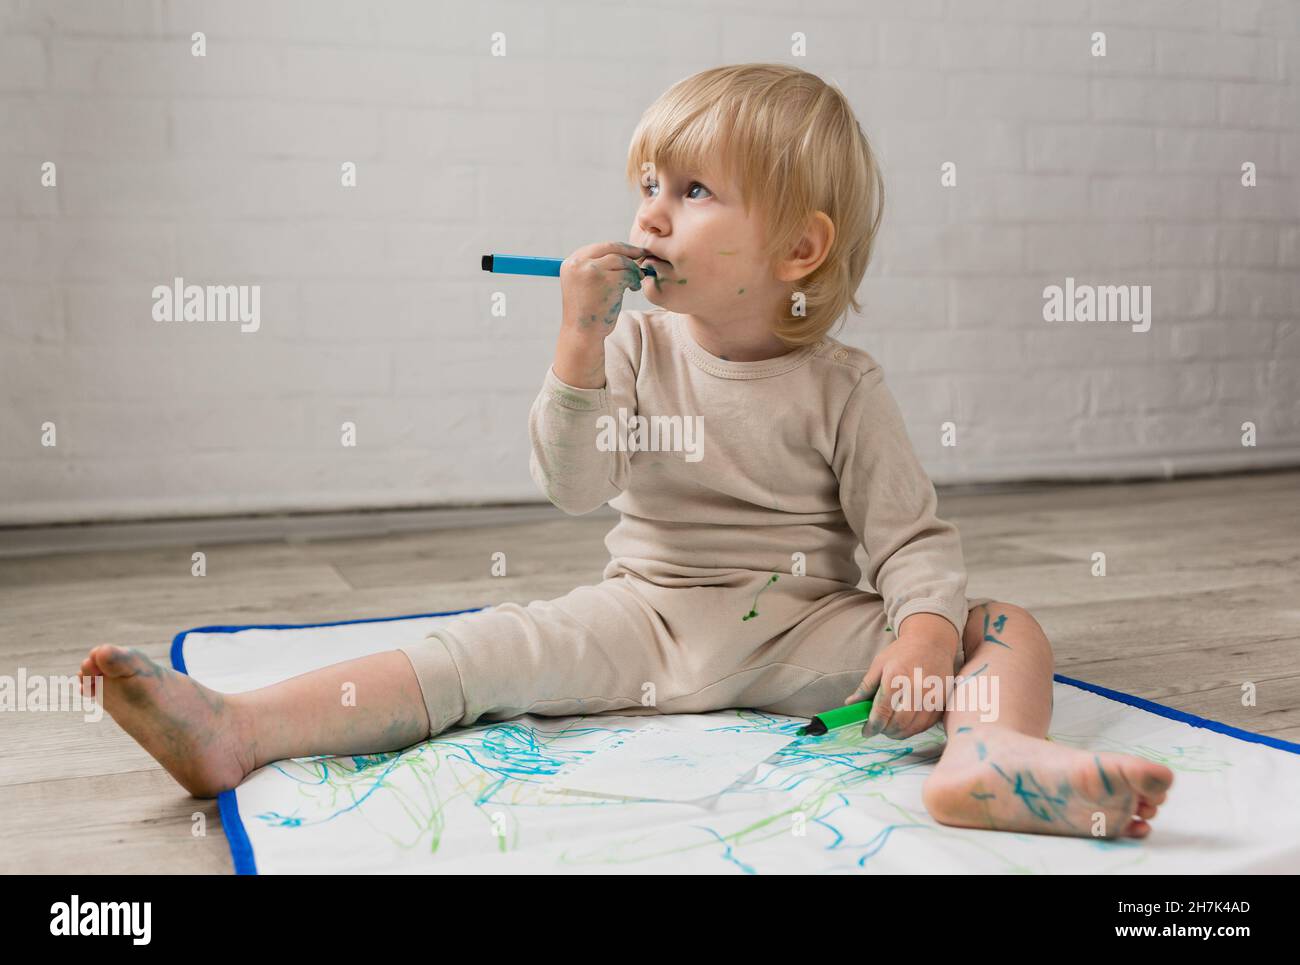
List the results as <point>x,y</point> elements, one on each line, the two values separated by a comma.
<point>592,377</point>
<point>564,423</point>
<point>914,558</point>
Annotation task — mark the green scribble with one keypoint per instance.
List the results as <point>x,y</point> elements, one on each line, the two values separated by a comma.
<point>754,610</point>
<point>489,783</point>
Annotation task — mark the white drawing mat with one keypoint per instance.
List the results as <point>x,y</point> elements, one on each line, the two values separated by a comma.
<point>677,757</point>
<point>480,799</point>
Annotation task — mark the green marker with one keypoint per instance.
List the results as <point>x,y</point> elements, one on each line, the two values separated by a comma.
<point>840,717</point>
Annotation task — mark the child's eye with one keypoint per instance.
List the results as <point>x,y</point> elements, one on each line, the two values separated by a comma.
<point>694,184</point>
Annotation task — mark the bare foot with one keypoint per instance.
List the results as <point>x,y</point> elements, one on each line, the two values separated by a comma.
<point>996,778</point>
<point>192,730</point>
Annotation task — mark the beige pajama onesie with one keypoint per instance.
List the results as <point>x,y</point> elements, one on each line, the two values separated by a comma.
<point>732,580</point>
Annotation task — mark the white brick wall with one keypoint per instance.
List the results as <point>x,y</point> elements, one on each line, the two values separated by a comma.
<point>225,170</point>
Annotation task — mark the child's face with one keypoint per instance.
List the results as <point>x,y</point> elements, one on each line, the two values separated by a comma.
<point>696,222</point>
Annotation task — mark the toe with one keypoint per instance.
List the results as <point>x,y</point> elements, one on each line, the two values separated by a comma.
<point>1137,828</point>
<point>99,654</point>
<point>112,660</point>
<point>1156,781</point>
<point>89,671</point>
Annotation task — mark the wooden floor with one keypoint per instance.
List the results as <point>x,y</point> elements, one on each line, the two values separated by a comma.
<point>1201,595</point>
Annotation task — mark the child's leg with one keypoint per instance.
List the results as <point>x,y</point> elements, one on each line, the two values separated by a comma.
<point>1003,774</point>
<point>210,741</point>
<point>590,651</point>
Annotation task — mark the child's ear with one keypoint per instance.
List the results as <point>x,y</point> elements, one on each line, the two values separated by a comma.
<point>815,245</point>
<point>808,253</point>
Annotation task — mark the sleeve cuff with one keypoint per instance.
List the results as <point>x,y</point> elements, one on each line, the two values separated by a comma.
<point>571,396</point>
<point>954,611</point>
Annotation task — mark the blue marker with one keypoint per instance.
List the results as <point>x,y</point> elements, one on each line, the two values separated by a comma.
<point>528,265</point>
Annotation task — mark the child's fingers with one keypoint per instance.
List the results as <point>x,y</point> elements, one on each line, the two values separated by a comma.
<point>886,712</point>
<point>867,686</point>
<point>882,714</point>
<point>624,273</point>
<point>882,717</point>
<point>627,248</point>
<point>916,714</point>
<point>602,250</point>
<point>911,724</point>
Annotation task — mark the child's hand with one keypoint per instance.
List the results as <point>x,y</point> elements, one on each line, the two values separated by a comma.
<point>897,708</point>
<point>592,282</point>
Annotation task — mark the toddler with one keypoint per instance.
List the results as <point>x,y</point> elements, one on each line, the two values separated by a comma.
<point>732,580</point>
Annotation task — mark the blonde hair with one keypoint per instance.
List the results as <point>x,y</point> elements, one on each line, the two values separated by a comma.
<point>788,137</point>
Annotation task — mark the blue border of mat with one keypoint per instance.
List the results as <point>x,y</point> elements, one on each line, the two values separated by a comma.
<point>241,849</point>
<point>1180,715</point>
